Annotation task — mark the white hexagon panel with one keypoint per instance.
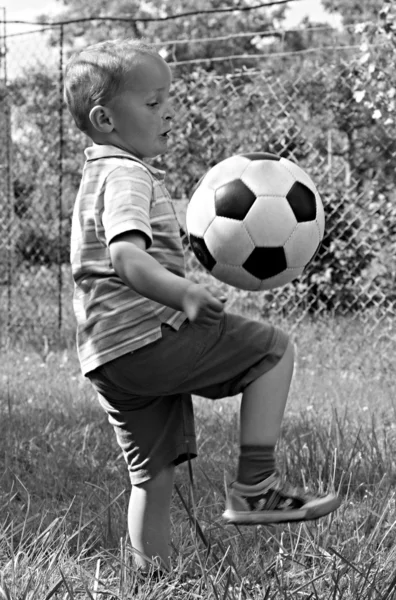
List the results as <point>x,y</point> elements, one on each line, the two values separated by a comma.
<point>228,241</point>
<point>270,221</point>
<point>302,244</point>
<point>264,178</point>
<point>200,211</point>
<point>236,276</point>
<point>225,171</point>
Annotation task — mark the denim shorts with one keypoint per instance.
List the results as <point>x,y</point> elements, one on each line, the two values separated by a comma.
<point>147,393</point>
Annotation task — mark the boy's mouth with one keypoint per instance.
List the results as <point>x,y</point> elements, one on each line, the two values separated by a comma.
<point>165,134</point>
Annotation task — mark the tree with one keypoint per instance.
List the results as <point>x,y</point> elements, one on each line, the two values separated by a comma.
<point>36,105</point>
<point>375,89</point>
<point>353,11</point>
<point>167,32</point>
<point>375,83</point>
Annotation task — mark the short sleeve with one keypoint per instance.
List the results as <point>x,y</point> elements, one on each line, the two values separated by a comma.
<point>127,198</point>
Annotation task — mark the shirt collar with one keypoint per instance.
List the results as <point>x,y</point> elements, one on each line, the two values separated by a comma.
<point>97,151</point>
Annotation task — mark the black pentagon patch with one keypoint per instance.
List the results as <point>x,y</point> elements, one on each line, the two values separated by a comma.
<point>302,201</point>
<point>261,156</point>
<point>201,252</point>
<point>234,200</point>
<point>266,262</point>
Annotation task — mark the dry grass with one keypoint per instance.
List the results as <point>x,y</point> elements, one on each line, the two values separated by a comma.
<point>64,487</point>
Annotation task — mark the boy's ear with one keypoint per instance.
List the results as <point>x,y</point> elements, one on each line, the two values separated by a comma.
<point>100,118</point>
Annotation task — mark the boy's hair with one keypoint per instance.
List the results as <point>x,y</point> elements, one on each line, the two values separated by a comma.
<point>96,74</point>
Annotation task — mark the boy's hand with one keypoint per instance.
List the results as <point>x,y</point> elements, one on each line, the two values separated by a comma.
<point>201,306</point>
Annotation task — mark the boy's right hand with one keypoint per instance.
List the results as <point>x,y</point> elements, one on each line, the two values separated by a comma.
<point>201,306</point>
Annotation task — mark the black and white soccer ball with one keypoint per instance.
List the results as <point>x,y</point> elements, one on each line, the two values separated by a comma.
<point>255,221</point>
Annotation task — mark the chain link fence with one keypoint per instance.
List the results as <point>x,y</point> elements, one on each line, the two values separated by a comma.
<point>300,106</point>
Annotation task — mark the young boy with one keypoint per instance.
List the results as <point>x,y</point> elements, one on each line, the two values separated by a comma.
<point>148,337</point>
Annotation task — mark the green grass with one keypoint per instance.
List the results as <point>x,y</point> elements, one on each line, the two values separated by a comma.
<point>64,487</point>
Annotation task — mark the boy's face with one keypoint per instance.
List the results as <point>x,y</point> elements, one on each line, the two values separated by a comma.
<point>141,112</point>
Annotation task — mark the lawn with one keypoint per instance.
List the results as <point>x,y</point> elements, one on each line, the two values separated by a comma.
<point>64,486</point>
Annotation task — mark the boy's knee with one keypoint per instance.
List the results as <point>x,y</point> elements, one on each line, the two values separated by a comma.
<point>163,480</point>
<point>284,347</point>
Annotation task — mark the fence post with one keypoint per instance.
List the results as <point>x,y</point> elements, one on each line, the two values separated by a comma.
<point>329,158</point>
<point>60,178</point>
<point>8,173</point>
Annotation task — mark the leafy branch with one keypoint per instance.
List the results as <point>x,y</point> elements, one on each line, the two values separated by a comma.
<point>375,82</point>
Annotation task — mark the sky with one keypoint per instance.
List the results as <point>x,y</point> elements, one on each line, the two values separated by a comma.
<point>25,10</point>
<point>20,10</point>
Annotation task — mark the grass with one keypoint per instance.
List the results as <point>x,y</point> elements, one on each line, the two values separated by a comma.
<point>64,488</point>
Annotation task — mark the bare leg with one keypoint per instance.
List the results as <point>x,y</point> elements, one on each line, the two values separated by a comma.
<point>264,401</point>
<point>149,518</point>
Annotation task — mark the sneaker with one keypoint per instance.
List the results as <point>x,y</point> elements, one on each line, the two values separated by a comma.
<point>274,501</point>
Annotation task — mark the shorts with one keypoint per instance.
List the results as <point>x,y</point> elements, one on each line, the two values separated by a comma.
<point>147,393</point>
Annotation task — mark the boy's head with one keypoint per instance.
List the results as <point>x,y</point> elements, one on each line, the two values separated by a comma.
<point>118,93</point>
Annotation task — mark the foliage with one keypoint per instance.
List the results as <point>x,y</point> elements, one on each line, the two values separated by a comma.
<point>321,113</point>
<point>374,87</point>
<point>40,236</point>
<point>375,79</point>
<point>353,11</point>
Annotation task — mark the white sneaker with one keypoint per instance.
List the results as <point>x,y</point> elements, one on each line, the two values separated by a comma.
<point>274,501</point>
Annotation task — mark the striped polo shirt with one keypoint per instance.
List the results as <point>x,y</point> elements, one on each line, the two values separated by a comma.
<point>119,193</point>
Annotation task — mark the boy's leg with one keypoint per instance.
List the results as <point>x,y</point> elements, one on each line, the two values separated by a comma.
<point>262,408</point>
<point>259,496</point>
<point>264,401</point>
<point>149,518</point>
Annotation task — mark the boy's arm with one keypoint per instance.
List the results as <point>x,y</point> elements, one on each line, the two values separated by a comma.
<point>149,278</point>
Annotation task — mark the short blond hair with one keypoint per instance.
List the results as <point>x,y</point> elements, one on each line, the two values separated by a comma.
<point>95,75</point>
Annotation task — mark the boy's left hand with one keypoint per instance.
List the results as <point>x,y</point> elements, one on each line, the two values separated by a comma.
<point>201,305</point>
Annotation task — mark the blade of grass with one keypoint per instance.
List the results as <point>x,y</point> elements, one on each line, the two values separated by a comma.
<point>54,589</point>
<point>26,590</point>
<point>344,559</point>
<point>390,588</point>
<point>192,519</point>
<point>225,595</point>
<point>69,590</point>
<point>96,581</point>
<point>201,534</point>
<point>99,514</point>
<point>220,568</point>
<point>304,585</point>
<point>27,509</point>
<point>4,591</point>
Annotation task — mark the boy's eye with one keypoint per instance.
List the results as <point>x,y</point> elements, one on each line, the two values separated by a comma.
<point>152,104</point>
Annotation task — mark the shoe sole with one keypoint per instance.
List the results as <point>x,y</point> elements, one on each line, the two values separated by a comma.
<point>310,513</point>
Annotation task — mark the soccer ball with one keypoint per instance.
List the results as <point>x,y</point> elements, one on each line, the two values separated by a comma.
<point>255,221</point>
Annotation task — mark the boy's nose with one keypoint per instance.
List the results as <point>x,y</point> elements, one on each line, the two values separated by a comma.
<point>170,113</point>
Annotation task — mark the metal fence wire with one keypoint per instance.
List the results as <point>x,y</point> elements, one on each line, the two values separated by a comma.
<point>300,106</point>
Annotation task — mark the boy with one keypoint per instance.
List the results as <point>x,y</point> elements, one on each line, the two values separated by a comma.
<point>147,337</point>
